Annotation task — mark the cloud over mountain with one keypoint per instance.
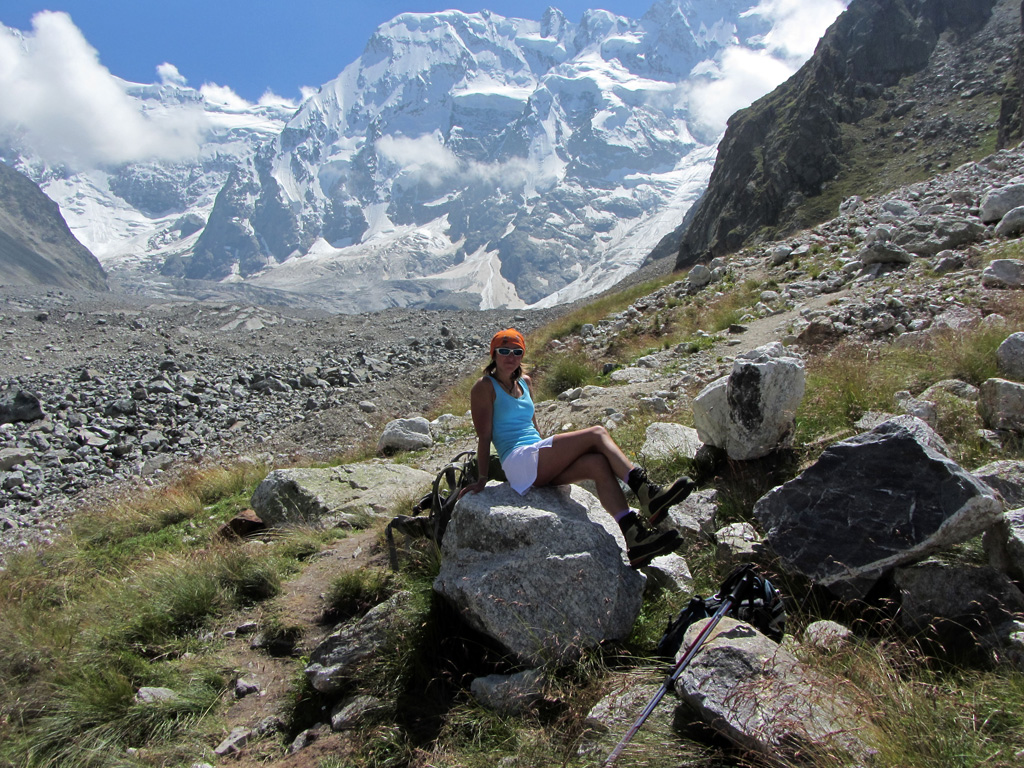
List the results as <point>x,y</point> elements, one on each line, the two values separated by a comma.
<point>63,104</point>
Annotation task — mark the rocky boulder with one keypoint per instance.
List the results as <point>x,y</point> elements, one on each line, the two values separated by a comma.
<point>1001,405</point>
<point>759,696</point>
<point>668,441</point>
<point>751,412</point>
<point>348,495</point>
<point>1003,273</point>
<point>871,503</point>
<point>1004,545</point>
<point>999,202</point>
<point>19,405</point>
<point>545,575</point>
<point>405,435</point>
<point>339,656</point>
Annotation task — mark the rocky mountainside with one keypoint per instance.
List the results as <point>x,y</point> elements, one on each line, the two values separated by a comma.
<point>36,246</point>
<point>895,92</point>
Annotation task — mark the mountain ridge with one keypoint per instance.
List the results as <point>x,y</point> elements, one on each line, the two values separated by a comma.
<point>885,77</point>
<point>36,245</point>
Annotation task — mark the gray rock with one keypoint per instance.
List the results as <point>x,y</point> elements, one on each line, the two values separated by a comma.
<point>1001,405</point>
<point>234,742</point>
<point>350,494</point>
<point>871,503</point>
<point>955,604</point>
<point>665,441</point>
<point>156,695</point>
<point>669,573</point>
<point>1004,544</point>
<point>1003,273</point>
<point>759,696</point>
<point>929,235</point>
<point>699,275</point>
<point>509,694</point>
<point>694,517</point>
<point>405,435</point>
<point>545,575</point>
<point>1007,478</point>
<point>752,412</point>
<point>18,404</point>
<point>613,715</point>
<point>334,661</point>
<point>1010,357</point>
<point>353,712</point>
<point>13,457</point>
<point>999,202</point>
<point>736,543</point>
<point>826,635</point>
<point>1012,224</point>
<point>882,252</point>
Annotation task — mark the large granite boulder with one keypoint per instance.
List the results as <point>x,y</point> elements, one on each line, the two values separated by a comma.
<point>879,500</point>
<point>544,574</point>
<point>349,495</point>
<point>751,412</point>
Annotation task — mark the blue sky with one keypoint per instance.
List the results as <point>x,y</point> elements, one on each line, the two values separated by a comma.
<point>252,46</point>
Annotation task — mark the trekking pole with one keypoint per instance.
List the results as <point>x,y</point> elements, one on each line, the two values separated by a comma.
<point>727,603</point>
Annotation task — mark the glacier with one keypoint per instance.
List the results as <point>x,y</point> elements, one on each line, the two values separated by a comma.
<point>464,160</point>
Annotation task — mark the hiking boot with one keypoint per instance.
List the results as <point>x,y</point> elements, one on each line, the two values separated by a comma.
<point>654,500</point>
<point>643,544</point>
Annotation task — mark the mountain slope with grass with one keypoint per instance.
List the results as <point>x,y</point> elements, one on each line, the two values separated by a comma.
<point>894,93</point>
<point>150,595</point>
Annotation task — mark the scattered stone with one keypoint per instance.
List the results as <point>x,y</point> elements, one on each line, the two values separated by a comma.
<point>509,694</point>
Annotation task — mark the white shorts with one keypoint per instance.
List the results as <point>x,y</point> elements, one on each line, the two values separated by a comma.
<point>520,466</point>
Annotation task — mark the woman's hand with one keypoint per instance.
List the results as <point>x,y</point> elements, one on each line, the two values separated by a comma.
<point>474,487</point>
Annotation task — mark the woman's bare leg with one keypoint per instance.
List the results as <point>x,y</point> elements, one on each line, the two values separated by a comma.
<point>594,466</point>
<point>567,447</point>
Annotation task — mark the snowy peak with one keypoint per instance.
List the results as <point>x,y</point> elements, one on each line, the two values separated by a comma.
<point>464,159</point>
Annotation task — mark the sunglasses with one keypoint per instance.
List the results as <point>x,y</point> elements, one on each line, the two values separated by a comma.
<point>505,351</point>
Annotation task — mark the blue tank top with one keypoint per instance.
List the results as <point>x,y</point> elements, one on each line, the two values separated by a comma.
<point>512,422</point>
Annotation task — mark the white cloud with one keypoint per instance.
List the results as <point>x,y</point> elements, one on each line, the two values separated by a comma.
<point>271,99</point>
<point>60,102</point>
<point>169,75</point>
<point>223,96</point>
<point>424,157</point>
<point>798,24</point>
<point>739,76</point>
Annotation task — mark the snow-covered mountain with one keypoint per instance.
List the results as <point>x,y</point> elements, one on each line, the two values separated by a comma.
<point>462,160</point>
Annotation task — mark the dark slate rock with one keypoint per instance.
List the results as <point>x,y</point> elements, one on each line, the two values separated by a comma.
<point>19,405</point>
<point>871,503</point>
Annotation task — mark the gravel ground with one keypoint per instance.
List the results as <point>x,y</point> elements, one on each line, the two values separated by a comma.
<point>193,376</point>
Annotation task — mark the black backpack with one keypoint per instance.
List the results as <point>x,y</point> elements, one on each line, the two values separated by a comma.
<point>758,603</point>
<point>439,503</point>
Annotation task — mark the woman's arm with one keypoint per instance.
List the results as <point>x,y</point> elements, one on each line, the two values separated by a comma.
<point>529,383</point>
<point>482,407</point>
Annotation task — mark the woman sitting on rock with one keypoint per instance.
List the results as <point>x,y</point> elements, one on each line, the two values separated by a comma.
<point>503,412</point>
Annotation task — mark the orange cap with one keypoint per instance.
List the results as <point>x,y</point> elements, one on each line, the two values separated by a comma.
<point>510,337</point>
